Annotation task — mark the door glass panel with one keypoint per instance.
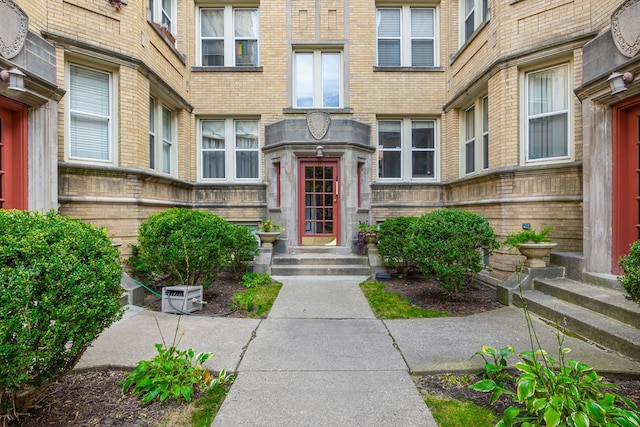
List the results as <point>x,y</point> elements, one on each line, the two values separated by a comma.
<point>319,205</point>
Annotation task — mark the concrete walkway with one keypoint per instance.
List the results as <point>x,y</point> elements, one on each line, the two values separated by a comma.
<point>321,357</point>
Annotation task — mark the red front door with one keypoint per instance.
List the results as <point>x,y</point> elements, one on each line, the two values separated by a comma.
<point>626,180</point>
<point>13,155</point>
<point>319,202</point>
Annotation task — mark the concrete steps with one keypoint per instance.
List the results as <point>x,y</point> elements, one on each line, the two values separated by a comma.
<point>319,261</point>
<point>598,314</point>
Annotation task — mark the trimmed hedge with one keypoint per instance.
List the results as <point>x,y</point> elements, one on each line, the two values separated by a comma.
<point>59,288</point>
<point>394,240</point>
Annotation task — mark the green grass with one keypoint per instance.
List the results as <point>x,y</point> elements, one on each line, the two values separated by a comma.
<point>257,301</point>
<point>208,406</point>
<point>456,413</point>
<point>390,305</point>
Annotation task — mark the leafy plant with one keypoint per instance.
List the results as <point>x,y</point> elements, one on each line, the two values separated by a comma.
<point>631,266</point>
<point>255,280</point>
<point>188,247</point>
<point>390,305</point>
<point>495,363</point>
<point>449,243</point>
<point>559,392</point>
<point>367,228</point>
<point>59,288</point>
<point>243,248</point>
<point>257,301</point>
<point>172,373</point>
<point>269,226</point>
<point>529,236</point>
<point>393,242</point>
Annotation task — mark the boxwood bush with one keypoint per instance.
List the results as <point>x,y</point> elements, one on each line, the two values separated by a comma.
<point>449,244</point>
<point>59,288</point>
<point>394,238</point>
<point>631,266</point>
<point>183,247</point>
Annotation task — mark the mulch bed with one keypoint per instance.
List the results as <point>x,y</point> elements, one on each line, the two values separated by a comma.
<point>95,398</point>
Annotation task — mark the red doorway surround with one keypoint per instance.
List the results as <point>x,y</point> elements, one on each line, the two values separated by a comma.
<point>13,155</point>
<point>626,179</point>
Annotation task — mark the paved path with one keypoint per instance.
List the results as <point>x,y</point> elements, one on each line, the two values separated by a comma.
<point>321,358</point>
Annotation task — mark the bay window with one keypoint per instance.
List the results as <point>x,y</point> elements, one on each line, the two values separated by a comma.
<point>475,136</point>
<point>162,137</point>
<point>472,14</point>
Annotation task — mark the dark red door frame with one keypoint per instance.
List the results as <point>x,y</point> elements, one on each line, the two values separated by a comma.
<point>626,175</point>
<point>323,162</point>
<point>14,155</point>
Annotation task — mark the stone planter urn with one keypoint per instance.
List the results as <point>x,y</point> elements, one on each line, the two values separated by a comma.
<point>371,238</point>
<point>536,252</point>
<point>268,237</point>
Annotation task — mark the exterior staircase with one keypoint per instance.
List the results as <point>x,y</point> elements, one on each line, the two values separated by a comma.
<point>320,261</point>
<point>595,310</point>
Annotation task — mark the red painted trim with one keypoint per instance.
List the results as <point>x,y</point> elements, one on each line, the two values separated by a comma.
<point>304,162</point>
<point>15,154</point>
<point>278,171</point>
<point>359,172</point>
<point>625,216</point>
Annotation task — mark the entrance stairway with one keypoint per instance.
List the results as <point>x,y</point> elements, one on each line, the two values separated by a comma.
<point>319,261</point>
<point>595,310</point>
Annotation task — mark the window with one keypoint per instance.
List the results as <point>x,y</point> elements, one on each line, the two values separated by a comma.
<point>90,114</point>
<point>228,37</point>
<point>475,137</point>
<point>230,148</point>
<point>164,12</point>
<point>547,113</point>
<point>406,149</point>
<point>406,37</point>
<point>470,140</point>
<point>473,14</point>
<point>318,81</point>
<point>161,131</point>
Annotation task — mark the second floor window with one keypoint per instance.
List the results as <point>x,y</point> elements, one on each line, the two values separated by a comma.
<point>406,37</point>
<point>318,81</point>
<point>164,12</point>
<point>472,14</point>
<point>228,37</point>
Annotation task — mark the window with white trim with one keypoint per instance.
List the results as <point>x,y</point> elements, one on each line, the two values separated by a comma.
<point>164,13</point>
<point>228,37</point>
<point>475,137</point>
<point>406,37</point>
<point>547,102</point>
<point>230,150</point>
<point>407,149</point>
<point>317,79</point>
<point>162,137</point>
<point>472,14</point>
<point>90,114</point>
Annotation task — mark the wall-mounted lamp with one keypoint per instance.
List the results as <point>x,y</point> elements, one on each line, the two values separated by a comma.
<point>619,81</point>
<point>15,78</point>
<point>319,151</point>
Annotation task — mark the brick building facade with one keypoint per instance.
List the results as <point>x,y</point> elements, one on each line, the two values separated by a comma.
<point>321,114</point>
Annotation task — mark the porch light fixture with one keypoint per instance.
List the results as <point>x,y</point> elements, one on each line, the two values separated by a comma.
<point>319,151</point>
<point>15,78</point>
<point>619,81</point>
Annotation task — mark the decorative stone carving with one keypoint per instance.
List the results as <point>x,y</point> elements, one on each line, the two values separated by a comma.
<point>14,24</point>
<point>318,123</point>
<point>625,28</point>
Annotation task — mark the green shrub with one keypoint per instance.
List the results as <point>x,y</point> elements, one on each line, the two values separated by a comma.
<point>631,266</point>
<point>243,249</point>
<point>188,247</point>
<point>59,288</point>
<point>394,240</point>
<point>449,244</point>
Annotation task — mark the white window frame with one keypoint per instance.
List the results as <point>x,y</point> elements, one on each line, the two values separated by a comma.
<point>407,150</point>
<point>111,116</point>
<point>526,117</point>
<point>230,150</point>
<point>469,140</point>
<point>480,12</point>
<point>405,37</point>
<point>317,83</point>
<point>229,37</point>
<point>479,138</point>
<point>160,138</point>
<point>158,11</point>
